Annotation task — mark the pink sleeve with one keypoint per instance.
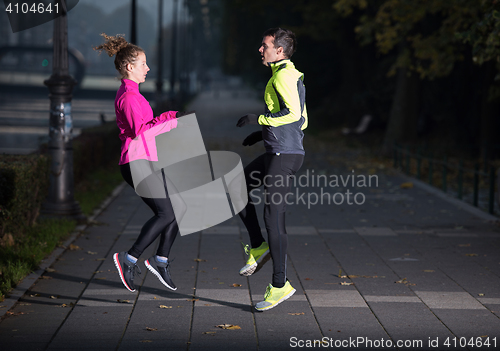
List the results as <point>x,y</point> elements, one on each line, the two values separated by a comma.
<point>144,146</point>
<point>138,118</point>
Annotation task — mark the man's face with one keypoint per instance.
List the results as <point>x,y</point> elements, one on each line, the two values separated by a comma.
<point>268,52</point>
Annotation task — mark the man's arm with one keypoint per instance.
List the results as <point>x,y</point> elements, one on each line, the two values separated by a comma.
<point>287,91</point>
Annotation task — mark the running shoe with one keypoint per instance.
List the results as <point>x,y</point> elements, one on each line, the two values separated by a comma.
<point>256,256</point>
<point>161,270</point>
<point>274,296</point>
<point>126,269</point>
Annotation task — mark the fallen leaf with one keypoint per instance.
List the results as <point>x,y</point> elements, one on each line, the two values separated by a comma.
<point>308,279</point>
<point>98,272</point>
<point>101,278</point>
<point>296,314</point>
<point>228,326</point>
<point>347,283</point>
<point>192,299</point>
<point>151,329</point>
<point>428,270</point>
<point>50,270</point>
<point>221,282</point>
<point>73,247</point>
<point>407,185</point>
<point>207,304</point>
<point>55,297</point>
<point>480,294</point>
<point>92,253</point>
<point>15,313</point>
<point>200,260</point>
<point>81,259</point>
<point>155,298</point>
<point>123,301</point>
<point>46,277</point>
<point>145,341</point>
<point>471,255</point>
<point>236,285</point>
<point>35,295</point>
<point>215,268</point>
<point>163,306</point>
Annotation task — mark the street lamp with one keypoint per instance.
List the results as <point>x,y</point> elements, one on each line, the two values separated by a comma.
<point>159,82</point>
<point>174,51</point>
<point>133,22</point>
<point>60,200</point>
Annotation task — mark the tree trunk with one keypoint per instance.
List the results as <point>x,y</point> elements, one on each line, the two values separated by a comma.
<point>490,110</point>
<point>403,119</point>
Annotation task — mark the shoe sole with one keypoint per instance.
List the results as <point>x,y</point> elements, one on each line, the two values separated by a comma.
<point>277,303</point>
<point>120,272</point>
<point>253,268</point>
<point>155,272</point>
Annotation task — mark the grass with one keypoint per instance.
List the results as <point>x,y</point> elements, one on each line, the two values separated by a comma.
<point>20,254</point>
<point>92,191</point>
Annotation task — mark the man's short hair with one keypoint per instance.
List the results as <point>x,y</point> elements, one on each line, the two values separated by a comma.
<point>284,38</point>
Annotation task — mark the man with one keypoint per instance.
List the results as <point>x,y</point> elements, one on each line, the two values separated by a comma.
<point>282,125</point>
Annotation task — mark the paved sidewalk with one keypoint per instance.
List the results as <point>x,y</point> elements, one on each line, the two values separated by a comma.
<point>422,270</point>
<point>404,267</point>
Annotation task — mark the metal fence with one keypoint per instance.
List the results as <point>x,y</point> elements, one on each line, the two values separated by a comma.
<point>478,177</point>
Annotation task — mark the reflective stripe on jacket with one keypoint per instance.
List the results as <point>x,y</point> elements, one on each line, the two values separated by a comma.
<point>286,112</point>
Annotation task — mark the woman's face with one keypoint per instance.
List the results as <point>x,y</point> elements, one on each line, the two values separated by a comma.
<point>138,71</point>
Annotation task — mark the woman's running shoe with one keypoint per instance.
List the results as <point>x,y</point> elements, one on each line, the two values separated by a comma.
<point>161,270</point>
<point>126,269</point>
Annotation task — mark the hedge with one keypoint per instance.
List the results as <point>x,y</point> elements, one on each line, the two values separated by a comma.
<point>24,179</point>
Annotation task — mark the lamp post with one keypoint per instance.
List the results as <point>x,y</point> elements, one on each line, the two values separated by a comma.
<point>159,81</point>
<point>60,200</point>
<point>174,52</point>
<point>133,22</point>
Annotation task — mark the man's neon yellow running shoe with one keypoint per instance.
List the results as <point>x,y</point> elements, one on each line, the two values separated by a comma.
<point>255,257</point>
<point>275,296</point>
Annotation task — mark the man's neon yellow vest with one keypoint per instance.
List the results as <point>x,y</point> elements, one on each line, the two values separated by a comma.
<point>286,113</point>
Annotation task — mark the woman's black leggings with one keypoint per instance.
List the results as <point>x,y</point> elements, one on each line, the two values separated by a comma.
<point>274,172</point>
<point>162,223</point>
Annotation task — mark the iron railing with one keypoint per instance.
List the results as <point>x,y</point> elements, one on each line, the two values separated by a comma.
<point>481,176</point>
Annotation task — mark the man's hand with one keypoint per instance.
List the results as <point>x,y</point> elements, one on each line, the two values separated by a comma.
<point>247,119</point>
<point>183,113</point>
<point>253,138</point>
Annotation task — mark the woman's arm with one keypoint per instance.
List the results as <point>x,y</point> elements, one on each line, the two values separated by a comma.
<point>139,116</point>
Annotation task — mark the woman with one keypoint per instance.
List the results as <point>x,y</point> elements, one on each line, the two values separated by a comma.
<point>134,116</point>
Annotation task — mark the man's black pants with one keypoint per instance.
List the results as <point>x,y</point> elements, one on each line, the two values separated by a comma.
<point>275,173</point>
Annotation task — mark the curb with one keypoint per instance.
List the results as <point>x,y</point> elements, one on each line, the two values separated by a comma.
<point>460,204</point>
<point>26,283</point>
